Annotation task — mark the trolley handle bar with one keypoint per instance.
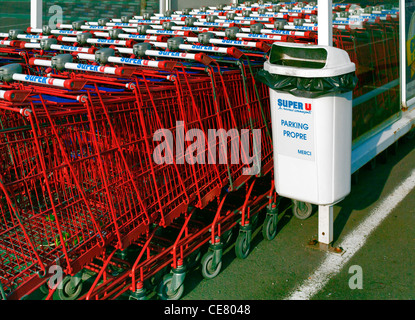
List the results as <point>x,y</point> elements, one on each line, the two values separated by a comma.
<point>199,57</point>
<point>59,32</point>
<point>241,35</point>
<point>29,45</point>
<point>70,84</point>
<point>127,43</point>
<point>119,71</point>
<point>33,37</point>
<point>165,65</point>
<point>11,43</point>
<point>59,47</point>
<point>141,37</point>
<point>14,95</point>
<point>232,51</point>
<point>305,34</point>
<point>254,44</point>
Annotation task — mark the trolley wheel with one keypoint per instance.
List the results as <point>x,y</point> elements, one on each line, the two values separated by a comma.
<point>152,282</point>
<point>254,221</point>
<point>269,228</point>
<point>207,271</point>
<point>44,288</point>
<point>193,259</point>
<point>227,237</point>
<point>164,289</point>
<point>242,246</point>
<point>69,290</point>
<point>302,210</point>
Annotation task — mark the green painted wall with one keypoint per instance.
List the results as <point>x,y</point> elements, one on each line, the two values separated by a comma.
<point>16,14</point>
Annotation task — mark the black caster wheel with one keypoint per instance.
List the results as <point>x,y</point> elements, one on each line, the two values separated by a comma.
<point>242,246</point>
<point>151,283</point>
<point>164,289</point>
<point>254,221</point>
<point>269,228</point>
<point>226,237</point>
<point>193,259</point>
<point>44,288</point>
<point>302,210</point>
<point>70,288</point>
<point>208,271</point>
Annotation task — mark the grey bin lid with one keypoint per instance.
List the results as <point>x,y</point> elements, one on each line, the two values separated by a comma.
<point>308,61</point>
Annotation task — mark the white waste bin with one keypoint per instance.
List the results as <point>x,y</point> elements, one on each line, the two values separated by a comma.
<point>311,112</point>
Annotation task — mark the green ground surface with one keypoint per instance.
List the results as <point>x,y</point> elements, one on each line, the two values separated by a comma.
<point>16,14</point>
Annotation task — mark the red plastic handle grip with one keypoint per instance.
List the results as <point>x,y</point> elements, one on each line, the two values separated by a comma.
<point>74,84</point>
<point>16,95</point>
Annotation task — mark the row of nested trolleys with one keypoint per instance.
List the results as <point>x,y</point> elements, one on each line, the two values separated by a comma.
<point>83,183</point>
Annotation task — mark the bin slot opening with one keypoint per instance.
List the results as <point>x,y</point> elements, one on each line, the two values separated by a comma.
<point>313,58</point>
